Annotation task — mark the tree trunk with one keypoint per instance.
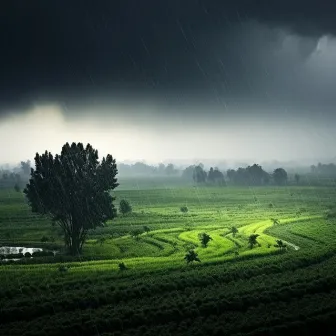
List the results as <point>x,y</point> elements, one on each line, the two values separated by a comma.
<point>77,241</point>
<point>74,246</point>
<point>74,237</point>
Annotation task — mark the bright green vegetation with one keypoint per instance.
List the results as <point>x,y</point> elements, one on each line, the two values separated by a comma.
<point>234,289</point>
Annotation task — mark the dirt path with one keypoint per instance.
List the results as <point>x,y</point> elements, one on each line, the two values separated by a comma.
<point>295,247</point>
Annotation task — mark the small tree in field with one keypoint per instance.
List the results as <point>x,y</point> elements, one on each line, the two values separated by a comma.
<point>73,189</point>
<point>184,209</point>
<point>280,245</point>
<point>275,221</point>
<point>125,207</point>
<point>204,239</point>
<point>253,240</point>
<point>234,231</point>
<point>191,256</point>
<point>17,187</point>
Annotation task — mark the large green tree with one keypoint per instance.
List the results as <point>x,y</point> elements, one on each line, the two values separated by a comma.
<point>199,174</point>
<point>280,176</point>
<point>73,189</point>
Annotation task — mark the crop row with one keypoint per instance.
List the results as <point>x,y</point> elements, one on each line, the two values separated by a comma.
<point>308,316</point>
<point>42,279</point>
<point>104,293</point>
<point>291,303</point>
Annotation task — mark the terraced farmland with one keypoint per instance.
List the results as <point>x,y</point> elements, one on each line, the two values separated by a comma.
<point>235,289</point>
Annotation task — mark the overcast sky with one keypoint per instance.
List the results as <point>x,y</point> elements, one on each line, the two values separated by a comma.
<point>157,80</point>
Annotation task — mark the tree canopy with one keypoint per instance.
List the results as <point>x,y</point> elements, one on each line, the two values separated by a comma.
<point>251,175</point>
<point>216,176</point>
<point>73,189</point>
<point>199,174</point>
<point>125,207</point>
<point>280,176</point>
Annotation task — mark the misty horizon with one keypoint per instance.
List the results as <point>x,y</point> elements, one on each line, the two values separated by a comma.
<point>154,139</point>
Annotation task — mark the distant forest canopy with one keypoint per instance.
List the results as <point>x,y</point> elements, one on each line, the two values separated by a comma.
<point>320,174</point>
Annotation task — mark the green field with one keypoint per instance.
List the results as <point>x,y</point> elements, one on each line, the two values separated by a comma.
<point>234,290</point>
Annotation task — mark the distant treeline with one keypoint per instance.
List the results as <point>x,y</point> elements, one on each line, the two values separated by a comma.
<point>251,175</point>
<point>254,175</point>
<point>143,169</point>
<point>15,178</point>
<point>324,169</point>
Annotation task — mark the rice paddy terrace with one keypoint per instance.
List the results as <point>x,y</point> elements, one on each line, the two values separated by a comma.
<point>234,290</point>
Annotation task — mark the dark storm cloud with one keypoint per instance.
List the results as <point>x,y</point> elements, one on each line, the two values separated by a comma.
<point>173,50</point>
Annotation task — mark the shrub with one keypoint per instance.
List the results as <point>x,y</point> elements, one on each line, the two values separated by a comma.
<point>125,207</point>
<point>275,221</point>
<point>234,231</point>
<point>122,266</point>
<point>184,209</point>
<point>253,240</point>
<point>191,256</point>
<point>280,245</point>
<point>204,239</point>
